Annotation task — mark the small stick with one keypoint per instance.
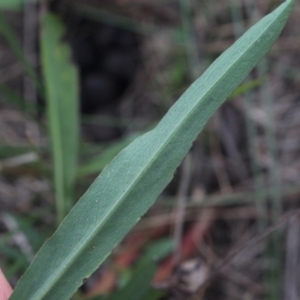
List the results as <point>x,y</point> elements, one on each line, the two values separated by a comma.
<point>181,205</point>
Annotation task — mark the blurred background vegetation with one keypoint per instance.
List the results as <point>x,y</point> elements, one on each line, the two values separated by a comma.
<point>79,80</point>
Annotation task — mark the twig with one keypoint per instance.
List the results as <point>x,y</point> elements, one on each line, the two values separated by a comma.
<point>282,221</point>
<point>292,260</point>
<point>182,198</point>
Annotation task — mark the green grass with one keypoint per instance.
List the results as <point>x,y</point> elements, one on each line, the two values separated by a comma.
<point>62,94</point>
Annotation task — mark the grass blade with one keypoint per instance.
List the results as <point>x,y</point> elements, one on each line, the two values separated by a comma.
<point>139,284</point>
<point>14,4</point>
<point>130,184</point>
<point>96,165</point>
<point>61,80</point>
<point>247,87</point>
<point>10,36</point>
<point>10,4</point>
<point>17,100</point>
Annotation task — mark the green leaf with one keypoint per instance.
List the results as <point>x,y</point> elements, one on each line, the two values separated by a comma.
<point>127,187</point>
<point>61,80</point>
<point>11,4</point>
<point>247,87</point>
<point>14,4</point>
<point>138,286</point>
<point>158,250</point>
<point>97,164</point>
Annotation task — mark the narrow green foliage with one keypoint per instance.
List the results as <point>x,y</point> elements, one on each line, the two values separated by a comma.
<point>113,19</point>
<point>96,165</point>
<point>129,185</point>
<point>247,87</point>
<point>61,80</point>
<point>10,36</point>
<point>16,99</point>
<point>14,4</point>
<point>10,4</point>
<point>139,284</point>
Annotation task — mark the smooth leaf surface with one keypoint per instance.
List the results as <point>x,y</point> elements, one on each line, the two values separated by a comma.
<point>127,187</point>
<point>61,80</point>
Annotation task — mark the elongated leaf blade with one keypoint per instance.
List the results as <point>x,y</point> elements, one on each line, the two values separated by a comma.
<point>61,78</point>
<point>130,184</point>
